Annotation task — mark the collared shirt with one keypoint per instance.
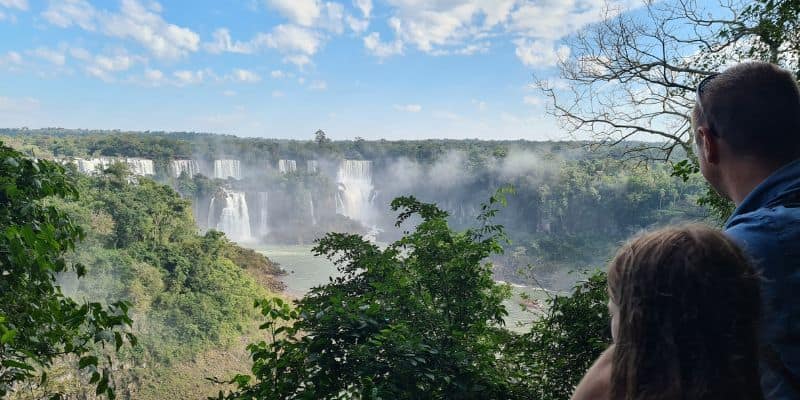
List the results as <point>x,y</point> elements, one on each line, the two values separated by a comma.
<point>767,225</point>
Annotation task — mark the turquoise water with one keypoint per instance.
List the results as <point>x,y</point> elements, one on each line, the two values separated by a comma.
<point>304,271</point>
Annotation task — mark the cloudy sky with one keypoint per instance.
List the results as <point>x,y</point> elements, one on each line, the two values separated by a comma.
<point>389,69</point>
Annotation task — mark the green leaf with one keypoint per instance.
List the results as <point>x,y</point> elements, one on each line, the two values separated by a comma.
<point>87,361</point>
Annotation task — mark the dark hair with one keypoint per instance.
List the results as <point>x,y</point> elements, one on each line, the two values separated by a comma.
<point>755,108</point>
<point>689,304</point>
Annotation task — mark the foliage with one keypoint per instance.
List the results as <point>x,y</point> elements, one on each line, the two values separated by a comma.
<point>38,323</point>
<point>547,362</point>
<point>418,319</point>
<point>634,74</point>
<point>421,318</point>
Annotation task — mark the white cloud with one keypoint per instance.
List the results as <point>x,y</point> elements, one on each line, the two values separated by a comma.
<point>331,18</point>
<point>105,66</point>
<point>372,42</point>
<point>223,43</point>
<point>25,104</point>
<point>189,77</point>
<point>555,19</point>
<point>357,25</point>
<point>318,85</point>
<point>154,74</point>
<point>18,4</point>
<point>481,105</point>
<point>245,76</point>
<point>277,74</point>
<point>365,6</point>
<point>53,56</point>
<point>229,93</point>
<point>302,12</point>
<point>292,39</point>
<point>437,23</point>
<point>297,43</point>
<point>412,108</point>
<point>66,13</point>
<point>120,62</point>
<point>299,60</point>
<point>540,53</point>
<point>79,53</point>
<point>134,21</point>
<point>533,100</point>
<point>277,93</point>
<point>11,58</point>
<point>147,27</point>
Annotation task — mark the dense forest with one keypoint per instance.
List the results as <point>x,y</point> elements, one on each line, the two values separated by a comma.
<point>164,240</point>
<point>182,304</point>
<point>190,296</point>
<point>573,201</point>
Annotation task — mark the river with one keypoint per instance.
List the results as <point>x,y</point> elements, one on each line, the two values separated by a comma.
<point>305,271</point>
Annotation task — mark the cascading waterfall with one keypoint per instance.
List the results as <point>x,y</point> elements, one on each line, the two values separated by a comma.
<point>287,166</point>
<point>141,166</point>
<point>190,167</point>
<point>224,169</point>
<point>263,214</point>
<point>93,166</point>
<point>234,220</point>
<point>356,192</point>
<point>311,207</point>
<point>312,166</point>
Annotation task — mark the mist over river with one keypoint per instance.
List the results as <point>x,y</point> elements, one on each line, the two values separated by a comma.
<point>305,271</point>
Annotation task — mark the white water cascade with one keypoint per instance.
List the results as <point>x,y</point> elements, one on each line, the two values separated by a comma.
<point>141,166</point>
<point>287,166</point>
<point>263,215</point>
<point>224,169</point>
<point>234,220</point>
<point>190,167</point>
<point>312,166</point>
<point>311,207</point>
<point>356,192</point>
<point>93,166</point>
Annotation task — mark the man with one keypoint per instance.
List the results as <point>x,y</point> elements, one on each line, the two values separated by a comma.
<point>747,130</point>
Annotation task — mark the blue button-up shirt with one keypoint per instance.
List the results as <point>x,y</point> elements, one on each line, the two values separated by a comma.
<point>767,225</point>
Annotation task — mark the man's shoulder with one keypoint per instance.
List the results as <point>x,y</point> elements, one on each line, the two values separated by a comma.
<point>764,229</point>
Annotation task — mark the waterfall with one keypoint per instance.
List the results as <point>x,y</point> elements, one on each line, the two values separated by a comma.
<point>356,192</point>
<point>93,166</point>
<point>287,166</point>
<point>190,167</point>
<point>263,214</point>
<point>140,166</point>
<point>311,206</point>
<point>224,169</point>
<point>234,220</point>
<point>312,166</point>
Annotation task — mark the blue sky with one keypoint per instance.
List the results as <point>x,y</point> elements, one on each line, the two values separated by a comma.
<point>395,69</point>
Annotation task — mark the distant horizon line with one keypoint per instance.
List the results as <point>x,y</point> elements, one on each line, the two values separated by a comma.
<point>311,139</point>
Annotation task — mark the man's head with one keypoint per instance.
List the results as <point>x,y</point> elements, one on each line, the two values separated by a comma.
<point>748,113</point>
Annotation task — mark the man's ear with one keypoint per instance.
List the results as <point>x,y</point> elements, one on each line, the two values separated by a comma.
<point>709,145</point>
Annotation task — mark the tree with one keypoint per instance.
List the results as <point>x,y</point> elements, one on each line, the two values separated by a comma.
<point>419,319</point>
<point>633,76</point>
<point>38,324</point>
<point>321,138</point>
<point>549,361</point>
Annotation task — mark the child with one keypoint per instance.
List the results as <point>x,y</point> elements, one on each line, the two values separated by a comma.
<point>685,306</point>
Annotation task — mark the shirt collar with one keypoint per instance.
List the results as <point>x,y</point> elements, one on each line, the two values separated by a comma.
<point>772,187</point>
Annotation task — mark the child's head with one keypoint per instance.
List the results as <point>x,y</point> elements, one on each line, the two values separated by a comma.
<point>686,306</point>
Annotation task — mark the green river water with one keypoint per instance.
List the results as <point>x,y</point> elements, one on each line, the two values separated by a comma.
<point>304,271</point>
